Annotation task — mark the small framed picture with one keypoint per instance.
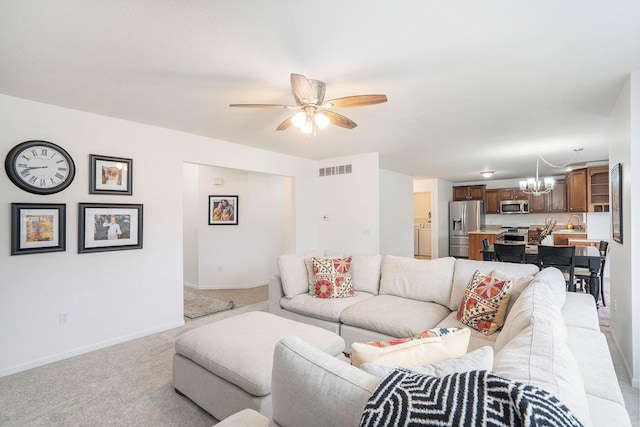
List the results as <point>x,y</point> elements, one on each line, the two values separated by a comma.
<point>109,227</point>
<point>110,175</point>
<point>223,210</point>
<point>37,228</point>
<point>616,202</point>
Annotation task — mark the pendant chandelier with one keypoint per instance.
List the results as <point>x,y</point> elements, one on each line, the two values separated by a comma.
<point>537,187</point>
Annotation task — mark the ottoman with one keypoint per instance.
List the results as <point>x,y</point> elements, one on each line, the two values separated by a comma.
<point>225,366</point>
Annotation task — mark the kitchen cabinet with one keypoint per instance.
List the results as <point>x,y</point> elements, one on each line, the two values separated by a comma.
<point>469,192</point>
<point>512,193</point>
<point>492,201</point>
<point>577,190</point>
<point>538,204</point>
<point>475,243</point>
<point>598,189</point>
<point>560,238</point>
<point>557,198</point>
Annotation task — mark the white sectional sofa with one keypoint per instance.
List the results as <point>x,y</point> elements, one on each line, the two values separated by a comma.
<point>550,339</point>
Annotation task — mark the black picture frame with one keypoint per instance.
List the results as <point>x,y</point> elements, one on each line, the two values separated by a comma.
<point>616,202</point>
<point>38,228</point>
<point>109,227</point>
<point>110,175</point>
<point>223,215</point>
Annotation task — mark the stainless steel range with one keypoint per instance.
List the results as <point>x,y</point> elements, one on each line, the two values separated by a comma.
<point>516,234</point>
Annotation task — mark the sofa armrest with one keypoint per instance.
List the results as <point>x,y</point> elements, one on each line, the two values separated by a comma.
<point>276,293</point>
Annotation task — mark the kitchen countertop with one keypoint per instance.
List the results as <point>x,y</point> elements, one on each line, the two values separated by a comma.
<point>567,231</point>
<point>486,232</point>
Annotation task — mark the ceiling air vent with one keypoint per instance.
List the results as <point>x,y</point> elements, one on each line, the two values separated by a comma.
<point>335,170</point>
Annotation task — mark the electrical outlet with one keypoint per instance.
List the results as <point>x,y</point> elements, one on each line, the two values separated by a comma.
<point>64,318</point>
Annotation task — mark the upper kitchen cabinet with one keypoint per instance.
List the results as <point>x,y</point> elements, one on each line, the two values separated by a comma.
<point>513,193</point>
<point>469,192</point>
<point>598,189</point>
<point>577,190</point>
<point>557,198</point>
<point>538,204</point>
<point>492,201</point>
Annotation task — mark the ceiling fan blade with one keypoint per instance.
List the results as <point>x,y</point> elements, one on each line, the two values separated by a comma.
<point>340,120</point>
<point>263,106</point>
<point>302,89</point>
<point>285,125</point>
<point>355,101</point>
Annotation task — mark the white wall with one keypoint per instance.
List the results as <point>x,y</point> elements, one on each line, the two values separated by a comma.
<point>115,296</point>
<point>191,195</point>
<point>441,195</point>
<point>624,148</point>
<point>261,214</point>
<point>351,204</point>
<point>396,220</point>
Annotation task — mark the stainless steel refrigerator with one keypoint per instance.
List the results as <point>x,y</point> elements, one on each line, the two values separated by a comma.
<point>464,216</point>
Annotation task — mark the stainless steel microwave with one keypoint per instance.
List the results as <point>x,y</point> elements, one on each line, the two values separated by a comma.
<point>514,206</point>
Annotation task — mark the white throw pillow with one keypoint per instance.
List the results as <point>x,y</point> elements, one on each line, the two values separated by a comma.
<point>434,345</point>
<point>365,271</point>
<point>293,272</point>
<point>480,359</point>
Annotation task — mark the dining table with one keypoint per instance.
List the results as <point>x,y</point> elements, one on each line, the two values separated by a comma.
<point>585,256</point>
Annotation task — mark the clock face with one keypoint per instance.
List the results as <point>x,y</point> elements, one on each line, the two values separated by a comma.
<point>40,167</point>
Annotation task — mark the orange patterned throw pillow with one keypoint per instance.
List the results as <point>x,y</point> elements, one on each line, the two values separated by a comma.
<point>332,277</point>
<point>485,303</point>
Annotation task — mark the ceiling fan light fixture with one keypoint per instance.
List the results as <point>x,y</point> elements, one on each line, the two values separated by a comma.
<point>322,120</point>
<point>307,126</point>
<point>299,119</point>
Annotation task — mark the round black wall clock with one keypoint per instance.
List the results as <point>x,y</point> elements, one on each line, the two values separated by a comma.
<point>40,167</point>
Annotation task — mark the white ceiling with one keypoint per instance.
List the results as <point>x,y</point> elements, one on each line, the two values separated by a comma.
<point>472,85</point>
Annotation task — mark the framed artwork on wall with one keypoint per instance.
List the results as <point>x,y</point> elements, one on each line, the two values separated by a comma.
<point>223,210</point>
<point>616,202</point>
<point>37,228</point>
<point>109,227</point>
<point>110,175</point>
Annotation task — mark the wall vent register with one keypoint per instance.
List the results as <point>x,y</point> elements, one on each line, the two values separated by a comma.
<point>335,170</point>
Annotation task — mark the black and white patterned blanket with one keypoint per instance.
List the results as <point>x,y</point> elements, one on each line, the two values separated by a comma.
<point>476,398</point>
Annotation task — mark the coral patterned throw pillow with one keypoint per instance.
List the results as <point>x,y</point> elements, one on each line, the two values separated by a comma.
<point>485,303</point>
<point>332,277</point>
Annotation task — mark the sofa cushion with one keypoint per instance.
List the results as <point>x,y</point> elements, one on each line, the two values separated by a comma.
<point>595,364</point>
<point>578,311</point>
<point>477,339</point>
<point>320,308</point>
<point>304,402</point>
<point>423,280</point>
<point>431,346</point>
<point>557,284</point>
<point>293,272</point>
<point>365,271</point>
<point>518,284</point>
<point>465,268</point>
<point>485,303</point>
<point>382,314</point>
<point>480,359</point>
<point>539,356</point>
<point>332,277</point>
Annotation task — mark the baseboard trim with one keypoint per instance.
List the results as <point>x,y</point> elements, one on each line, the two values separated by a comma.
<point>627,369</point>
<point>87,349</point>
<point>225,287</point>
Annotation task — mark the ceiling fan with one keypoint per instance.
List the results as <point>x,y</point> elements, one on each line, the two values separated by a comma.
<point>314,110</point>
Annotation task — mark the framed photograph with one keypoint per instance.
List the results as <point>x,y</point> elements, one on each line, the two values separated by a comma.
<point>110,175</point>
<point>37,228</point>
<point>616,202</point>
<point>223,210</point>
<point>109,227</point>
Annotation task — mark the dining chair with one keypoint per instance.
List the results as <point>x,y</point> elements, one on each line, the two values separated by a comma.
<point>561,257</point>
<point>583,274</point>
<point>485,243</point>
<point>509,253</point>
